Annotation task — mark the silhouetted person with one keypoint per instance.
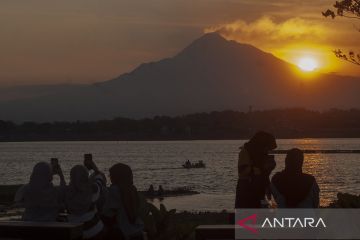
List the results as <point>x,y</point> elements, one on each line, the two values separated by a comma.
<point>254,168</point>
<point>151,190</point>
<point>96,173</point>
<point>160,191</point>
<point>292,188</point>
<point>201,163</point>
<point>81,197</point>
<point>41,200</point>
<point>121,209</point>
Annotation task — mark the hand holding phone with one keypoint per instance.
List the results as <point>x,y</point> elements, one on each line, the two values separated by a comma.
<point>55,166</point>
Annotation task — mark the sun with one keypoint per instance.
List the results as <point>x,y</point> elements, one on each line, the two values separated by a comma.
<point>307,64</point>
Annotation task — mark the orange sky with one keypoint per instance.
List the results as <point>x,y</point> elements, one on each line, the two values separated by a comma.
<point>75,41</point>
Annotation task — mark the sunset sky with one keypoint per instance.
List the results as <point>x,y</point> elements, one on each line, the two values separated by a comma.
<point>77,41</point>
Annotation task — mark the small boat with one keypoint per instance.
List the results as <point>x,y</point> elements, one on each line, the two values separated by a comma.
<point>189,165</point>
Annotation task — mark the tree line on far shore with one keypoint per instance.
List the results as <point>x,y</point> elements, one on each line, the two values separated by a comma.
<point>284,123</point>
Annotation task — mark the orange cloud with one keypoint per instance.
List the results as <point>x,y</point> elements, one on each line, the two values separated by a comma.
<point>268,33</point>
<point>290,39</point>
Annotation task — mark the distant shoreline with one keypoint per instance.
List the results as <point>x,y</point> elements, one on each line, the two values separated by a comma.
<point>168,140</point>
<point>224,125</point>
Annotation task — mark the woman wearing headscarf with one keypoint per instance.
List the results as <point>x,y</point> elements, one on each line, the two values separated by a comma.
<point>81,198</point>
<point>254,168</point>
<point>291,187</point>
<point>41,200</point>
<point>121,209</point>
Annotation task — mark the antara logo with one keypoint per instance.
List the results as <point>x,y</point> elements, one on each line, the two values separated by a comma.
<point>293,223</point>
<point>251,218</point>
<point>281,223</point>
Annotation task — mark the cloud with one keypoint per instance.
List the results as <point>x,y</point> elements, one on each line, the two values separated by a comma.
<point>265,31</point>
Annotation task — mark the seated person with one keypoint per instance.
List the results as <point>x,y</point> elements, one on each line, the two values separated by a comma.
<point>151,190</point>
<point>121,212</point>
<point>160,191</point>
<point>40,198</point>
<point>292,188</point>
<point>81,198</point>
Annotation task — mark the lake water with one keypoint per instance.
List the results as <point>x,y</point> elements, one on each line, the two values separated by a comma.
<point>160,163</point>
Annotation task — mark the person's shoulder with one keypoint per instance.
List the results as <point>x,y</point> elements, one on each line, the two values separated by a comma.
<point>244,154</point>
<point>244,151</point>
<point>309,177</point>
<point>113,190</point>
<point>19,195</point>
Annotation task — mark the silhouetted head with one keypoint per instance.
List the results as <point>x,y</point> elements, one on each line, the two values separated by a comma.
<point>263,142</point>
<point>41,175</point>
<point>78,196</point>
<point>88,160</point>
<point>79,178</point>
<point>40,191</point>
<point>122,177</point>
<point>294,161</point>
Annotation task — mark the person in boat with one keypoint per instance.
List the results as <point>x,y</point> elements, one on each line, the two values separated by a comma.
<point>160,191</point>
<point>151,190</point>
<point>121,212</point>
<point>81,199</point>
<point>188,163</point>
<point>291,187</point>
<point>255,165</point>
<point>40,198</point>
<point>201,163</point>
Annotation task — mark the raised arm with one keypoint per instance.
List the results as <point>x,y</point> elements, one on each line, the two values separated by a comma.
<point>58,171</point>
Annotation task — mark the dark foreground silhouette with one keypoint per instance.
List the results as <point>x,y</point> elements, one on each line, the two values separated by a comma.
<point>112,213</point>
<point>292,188</point>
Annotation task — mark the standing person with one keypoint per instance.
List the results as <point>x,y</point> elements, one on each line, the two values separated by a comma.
<point>40,198</point>
<point>91,166</point>
<point>254,168</point>
<point>81,197</point>
<point>121,210</point>
<point>291,187</point>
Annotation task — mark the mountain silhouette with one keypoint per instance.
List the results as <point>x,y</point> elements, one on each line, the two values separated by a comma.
<point>210,74</point>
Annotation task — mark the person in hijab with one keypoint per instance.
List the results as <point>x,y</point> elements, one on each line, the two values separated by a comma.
<point>41,200</point>
<point>81,197</point>
<point>255,165</point>
<point>291,187</point>
<point>121,209</point>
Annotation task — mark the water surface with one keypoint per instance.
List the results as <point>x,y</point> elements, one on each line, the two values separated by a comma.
<point>160,163</point>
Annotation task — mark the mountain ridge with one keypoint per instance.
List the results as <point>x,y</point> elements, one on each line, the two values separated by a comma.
<point>210,74</point>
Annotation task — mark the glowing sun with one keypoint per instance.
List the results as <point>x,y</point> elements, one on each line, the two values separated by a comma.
<point>307,64</point>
